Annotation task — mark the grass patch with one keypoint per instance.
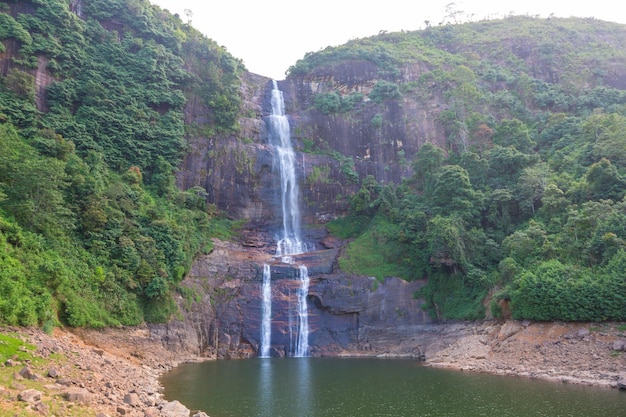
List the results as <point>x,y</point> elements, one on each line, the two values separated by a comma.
<point>349,226</point>
<point>14,348</point>
<point>376,252</point>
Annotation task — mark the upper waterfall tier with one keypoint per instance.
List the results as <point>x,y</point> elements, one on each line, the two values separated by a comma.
<point>290,243</point>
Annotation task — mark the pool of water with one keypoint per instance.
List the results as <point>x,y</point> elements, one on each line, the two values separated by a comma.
<point>321,387</point>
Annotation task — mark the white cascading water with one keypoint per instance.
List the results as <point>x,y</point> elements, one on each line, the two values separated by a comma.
<point>302,347</point>
<point>266,311</point>
<point>290,243</point>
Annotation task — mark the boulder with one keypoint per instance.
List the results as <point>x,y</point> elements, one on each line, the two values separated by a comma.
<point>132,399</point>
<point>27,373</point>
<point>151,412</point>
<point>29,396</point>
<point>174,409</point>
<point>509,328</point>
<point>42,408</point>
<point>77,395</point>
<point>619,345</point>
<point>11,362</point>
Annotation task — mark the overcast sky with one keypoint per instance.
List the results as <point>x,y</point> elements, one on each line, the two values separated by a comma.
<point>271,35</point>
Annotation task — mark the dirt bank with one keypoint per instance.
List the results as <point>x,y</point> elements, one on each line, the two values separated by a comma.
<point>579,353</point>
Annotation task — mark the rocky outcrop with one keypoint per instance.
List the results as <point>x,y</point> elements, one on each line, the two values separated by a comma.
<point>234,170</point>
<point>347,313</point>
<point>43,78</point>
<point>332,153</point>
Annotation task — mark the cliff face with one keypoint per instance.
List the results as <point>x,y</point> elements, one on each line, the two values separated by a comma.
<point>333,151</point>
<point>235,171</point>
<point>347,314</point>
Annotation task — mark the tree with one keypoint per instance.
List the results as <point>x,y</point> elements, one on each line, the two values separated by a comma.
<point>604,181</point>
<point>528,246</point>
<point>531,186</point>
<point>363,202</point>
<point>446,246</point>
<point>606,133</point>
<point>505,165</point>
<point>452,194</point>
<point>501,211</point>
<point>428,159</point>
<point>514,133</point>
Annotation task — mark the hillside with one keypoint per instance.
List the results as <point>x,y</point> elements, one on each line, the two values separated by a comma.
<point>488,159</point>
<point>93,231</point>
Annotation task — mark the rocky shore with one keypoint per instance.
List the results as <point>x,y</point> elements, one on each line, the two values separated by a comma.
<point>577,353</point>
<point>115,372</point>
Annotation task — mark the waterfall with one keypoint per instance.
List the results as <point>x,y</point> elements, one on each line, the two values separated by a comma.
<point>266,314</point>
<point>290,242</point>
<point>302,347</point>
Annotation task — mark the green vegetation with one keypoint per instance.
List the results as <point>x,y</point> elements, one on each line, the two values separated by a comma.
<point>525,199</point>
<point>332,102</point>
<point>93,231</point>
<point>14,348</point>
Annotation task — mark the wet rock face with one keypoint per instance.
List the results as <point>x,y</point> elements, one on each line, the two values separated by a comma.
<point>235,171</point>
<point>332,151</point>
<point>346,313</point>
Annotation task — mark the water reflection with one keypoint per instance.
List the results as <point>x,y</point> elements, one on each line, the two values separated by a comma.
<point>324,387</point>
<point>265,388</point>
<point>305,387</point>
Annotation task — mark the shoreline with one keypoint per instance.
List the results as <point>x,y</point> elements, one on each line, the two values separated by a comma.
<point>119,370</point>
<point>573,353</point>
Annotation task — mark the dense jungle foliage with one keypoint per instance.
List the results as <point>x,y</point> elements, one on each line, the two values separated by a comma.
<point>93,231</point>
<point>525,203</point>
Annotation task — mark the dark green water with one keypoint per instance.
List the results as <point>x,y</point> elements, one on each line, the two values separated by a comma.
<point>325,387</point>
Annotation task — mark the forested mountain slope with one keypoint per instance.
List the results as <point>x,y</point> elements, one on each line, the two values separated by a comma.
<point>512,138</point>
<point>93,231</point>
<point>488,157</point>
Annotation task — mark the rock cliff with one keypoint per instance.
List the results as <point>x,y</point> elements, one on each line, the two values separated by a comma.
<point>333,151</point>
<point>347,314</point>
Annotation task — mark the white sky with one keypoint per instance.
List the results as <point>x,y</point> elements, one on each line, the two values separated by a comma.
<point>271,35</point>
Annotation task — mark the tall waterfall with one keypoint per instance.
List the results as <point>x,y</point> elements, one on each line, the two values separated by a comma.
<point>290,242</point>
